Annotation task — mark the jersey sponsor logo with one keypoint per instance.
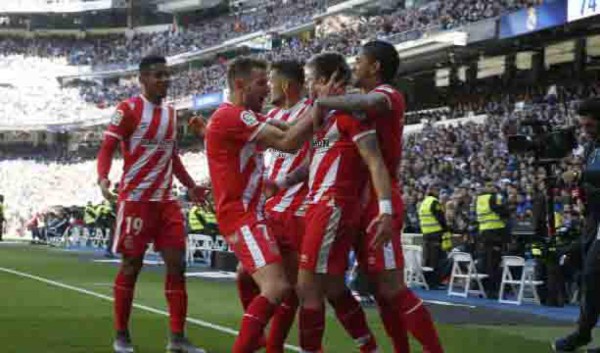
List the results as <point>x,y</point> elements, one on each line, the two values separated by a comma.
<point>249,119</point>
<point>116,118</point>
<point>162,144</point>
<point>320,144</point>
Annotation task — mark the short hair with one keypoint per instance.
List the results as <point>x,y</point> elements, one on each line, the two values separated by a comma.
<point>242,67</point>
<point>590,107</point>
<point>290,69</point>
<point>150,60</point>
<point>387,56</point>
<point>326,64</point>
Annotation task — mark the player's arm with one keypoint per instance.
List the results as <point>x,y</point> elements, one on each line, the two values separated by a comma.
<point>297,175</point>
<point>120,128</point>
<point>197,194</point>
<point>371,154</point>
<point>289,140</point>
<point>356,102</point>
<point>282,125</point>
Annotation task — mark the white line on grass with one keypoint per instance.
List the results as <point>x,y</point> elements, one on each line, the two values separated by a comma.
<point>135,305</point>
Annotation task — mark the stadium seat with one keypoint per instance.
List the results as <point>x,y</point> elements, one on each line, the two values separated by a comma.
<point>199,242</point>
<point>414,270</point>
<point>463,270</point>
<point>520,286</point>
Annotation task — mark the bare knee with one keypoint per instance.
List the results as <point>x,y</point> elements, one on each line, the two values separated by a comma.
<point>310,291</point>
<point>389,284</point>
<point>131,266</point>
<point>272,282</point>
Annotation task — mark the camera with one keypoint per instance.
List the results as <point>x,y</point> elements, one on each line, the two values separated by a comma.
<point>545,141</point>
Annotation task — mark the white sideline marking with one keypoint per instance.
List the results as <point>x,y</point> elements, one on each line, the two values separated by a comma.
<point>202,323</point>
<point>439,302</point>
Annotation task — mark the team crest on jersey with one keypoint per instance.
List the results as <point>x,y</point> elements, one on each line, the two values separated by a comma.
<point>116,118</point>
<point>249,119</point>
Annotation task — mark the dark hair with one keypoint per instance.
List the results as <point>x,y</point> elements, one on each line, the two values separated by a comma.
<point>150,60</point>
<point>590,107</point>
<point>387,56</point>
<point>242,67</point>
<point>290,69</point>
<point>326,64</point>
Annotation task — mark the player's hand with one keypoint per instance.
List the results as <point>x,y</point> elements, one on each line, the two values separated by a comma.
<point>197,125</point>
<point>198,195</point>
<point>105,188</point>
<point>333,87</point>
<point>270,188</point>
<point>383,230</point>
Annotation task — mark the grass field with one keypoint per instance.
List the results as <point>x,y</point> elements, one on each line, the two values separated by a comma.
<point>40,317</point>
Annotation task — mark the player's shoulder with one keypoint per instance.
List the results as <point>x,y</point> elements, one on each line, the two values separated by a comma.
<point>232,115</point>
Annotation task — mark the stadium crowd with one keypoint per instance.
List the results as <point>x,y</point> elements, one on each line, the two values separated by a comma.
<point>42,52</point>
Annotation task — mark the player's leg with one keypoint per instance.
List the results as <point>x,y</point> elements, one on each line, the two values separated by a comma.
<point>286,312</point>
<point>130,241</point>
<point>312,311</point>
<point>349,313</point>
<point>246,287</point>
<point>123,293</point>
<point>288,230</point>
<point>170,241</point>
<point>325,247</point>
<point>260,256</point>
<point>400,309</point>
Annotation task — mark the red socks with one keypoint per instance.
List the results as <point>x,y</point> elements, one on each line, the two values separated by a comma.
<point>312,326</point>
<point>254,321</point>
<point>123,296</point>
<point>418,321</point>
<point>177,299</point>
<point>282,322</point>
<point>394,324</point>
<point>247,289</point>
<point>352,317</point>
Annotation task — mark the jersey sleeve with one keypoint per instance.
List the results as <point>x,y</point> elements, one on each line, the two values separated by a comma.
<point>354,128</point>
<point>122,123</point>
<point>391,95</point>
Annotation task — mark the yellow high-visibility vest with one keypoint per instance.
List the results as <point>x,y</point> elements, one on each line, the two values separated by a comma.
<point>486,217</point>
<point>429,224</point>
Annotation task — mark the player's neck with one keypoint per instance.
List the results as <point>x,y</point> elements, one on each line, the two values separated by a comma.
<point>290,102</point>
<point>370,85</point>
<point>237,100</point>
<point>153,100</point>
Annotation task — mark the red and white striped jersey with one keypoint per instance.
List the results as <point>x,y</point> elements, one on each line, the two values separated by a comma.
<point>389,126</point>
<point>337,171</point>
<point>279,164</point>
<point>236,166</point>
<point>148,142</point>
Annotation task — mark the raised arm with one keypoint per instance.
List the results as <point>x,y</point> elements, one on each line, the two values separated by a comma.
<point>355,102</point>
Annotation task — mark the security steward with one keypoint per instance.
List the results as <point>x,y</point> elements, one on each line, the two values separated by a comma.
<point>589,244</point>
<point>89,219</point>
<point>2,219</point>
<point>433,227</point>
<point>492,236</point>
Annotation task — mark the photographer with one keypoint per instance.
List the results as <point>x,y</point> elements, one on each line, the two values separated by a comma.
<point>589,245</point>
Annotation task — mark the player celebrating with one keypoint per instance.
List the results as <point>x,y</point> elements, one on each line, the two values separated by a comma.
<point>235,138</point>
<point>146,129</point>
<point>285,211</point>
<point>284,208</point>
<point>344,152</point>
<point>380,103</point>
